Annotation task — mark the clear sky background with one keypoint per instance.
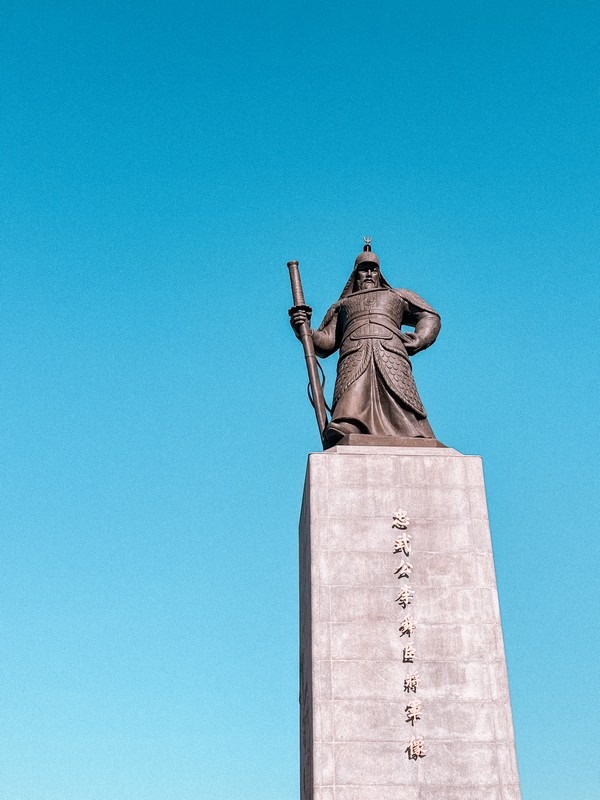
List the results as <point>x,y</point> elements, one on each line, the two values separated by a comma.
<point>161,161</point>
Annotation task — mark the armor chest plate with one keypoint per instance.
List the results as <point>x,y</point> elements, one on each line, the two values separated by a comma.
<point>373,301</point>
<point>373,314</point>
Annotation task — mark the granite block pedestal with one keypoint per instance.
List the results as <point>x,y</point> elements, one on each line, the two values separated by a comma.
<point>422,714</point>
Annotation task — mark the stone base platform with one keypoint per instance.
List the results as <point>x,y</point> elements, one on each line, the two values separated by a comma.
<point>401,699</point>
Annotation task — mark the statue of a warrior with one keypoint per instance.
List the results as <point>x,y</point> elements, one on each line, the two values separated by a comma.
<point>375,392</point>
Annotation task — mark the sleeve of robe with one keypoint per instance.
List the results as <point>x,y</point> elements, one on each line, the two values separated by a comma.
<point>327,337</point>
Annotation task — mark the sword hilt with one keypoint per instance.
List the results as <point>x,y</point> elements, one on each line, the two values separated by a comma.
<point>297,291</point>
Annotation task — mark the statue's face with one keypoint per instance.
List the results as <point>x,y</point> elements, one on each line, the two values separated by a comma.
<point>367,276</point>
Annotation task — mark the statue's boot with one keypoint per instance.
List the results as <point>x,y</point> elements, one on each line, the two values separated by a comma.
<point>335,431</point>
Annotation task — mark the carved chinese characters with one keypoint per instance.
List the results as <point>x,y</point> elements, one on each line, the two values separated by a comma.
<point>407,627</point>
<point>411,682</point>
<point>403,569</point>
<point>408,654</point>
<point>405,597</point>
<point>413,712</point>
<point>416,748</point>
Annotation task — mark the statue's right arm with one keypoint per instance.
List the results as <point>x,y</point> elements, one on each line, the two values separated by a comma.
<point>326,337</point>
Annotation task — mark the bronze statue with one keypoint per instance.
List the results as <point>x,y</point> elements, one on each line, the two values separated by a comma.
<point>375,392</point>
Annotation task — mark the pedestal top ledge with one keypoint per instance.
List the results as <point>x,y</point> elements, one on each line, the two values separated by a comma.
<point>392,450</point>
<point>387,441</point>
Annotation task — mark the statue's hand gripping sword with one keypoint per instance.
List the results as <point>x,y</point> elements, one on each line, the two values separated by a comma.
<point>316,390</point>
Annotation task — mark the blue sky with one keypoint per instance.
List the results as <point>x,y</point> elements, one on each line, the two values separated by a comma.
<point>160,164</point>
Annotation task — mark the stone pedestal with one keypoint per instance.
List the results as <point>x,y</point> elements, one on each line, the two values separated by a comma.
<point>355,727</point>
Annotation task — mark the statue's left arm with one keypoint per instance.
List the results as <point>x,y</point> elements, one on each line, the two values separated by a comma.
<point>425,320</point>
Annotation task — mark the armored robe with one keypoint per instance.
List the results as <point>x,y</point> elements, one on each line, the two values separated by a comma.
<point>375,392</point>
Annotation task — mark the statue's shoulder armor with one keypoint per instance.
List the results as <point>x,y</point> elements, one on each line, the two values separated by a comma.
<point>351,304</point>
<point>331,313</point>
<point>415,300</point>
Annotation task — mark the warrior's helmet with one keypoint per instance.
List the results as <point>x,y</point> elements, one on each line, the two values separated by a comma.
<point>367,256</point>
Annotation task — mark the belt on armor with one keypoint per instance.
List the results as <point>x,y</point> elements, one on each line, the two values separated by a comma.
<point>389,323</point>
